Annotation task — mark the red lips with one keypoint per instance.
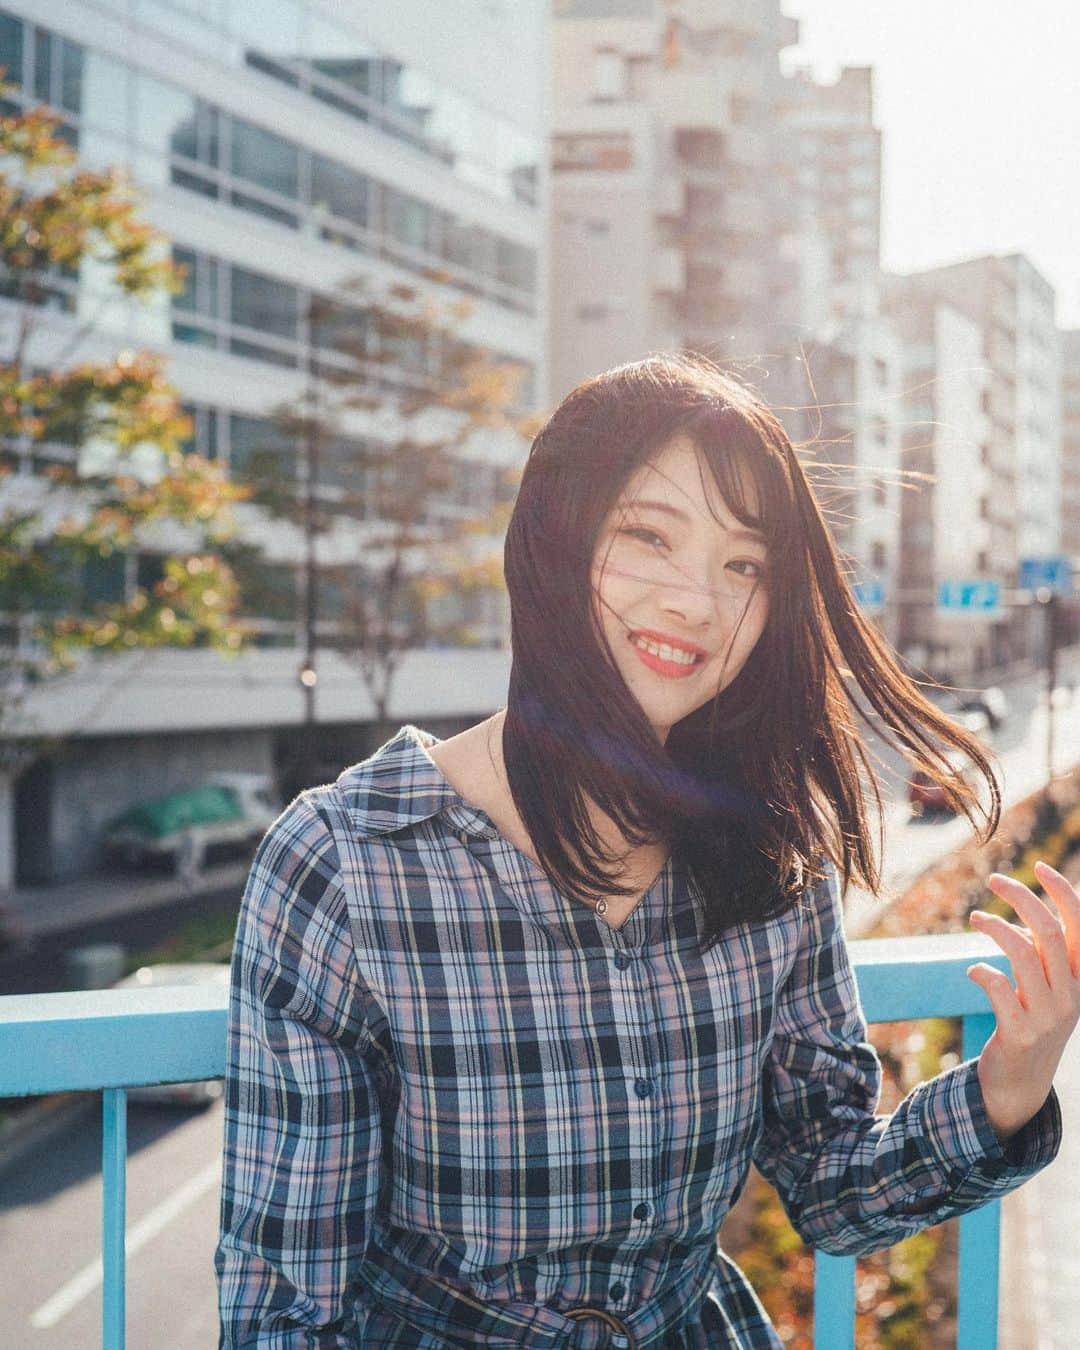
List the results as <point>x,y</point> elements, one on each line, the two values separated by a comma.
<point>658,638</point>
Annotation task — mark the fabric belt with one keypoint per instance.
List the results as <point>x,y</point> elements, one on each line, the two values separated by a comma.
<point>428,1303</point>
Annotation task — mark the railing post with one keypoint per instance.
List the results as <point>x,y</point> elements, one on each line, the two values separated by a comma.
<point>114,1208</point>
<point>834,1302</point>
<point>980,1236</point>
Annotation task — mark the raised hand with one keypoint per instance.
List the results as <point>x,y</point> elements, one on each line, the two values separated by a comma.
<point>1034,1020</point>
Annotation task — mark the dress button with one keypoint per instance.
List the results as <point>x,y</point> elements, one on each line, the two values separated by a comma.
<point>641,1211</point>
<point>617,1291</point>
<point>643,1087</point>
<point>621,961</point>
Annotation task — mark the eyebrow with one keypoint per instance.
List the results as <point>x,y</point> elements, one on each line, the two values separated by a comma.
<point>643,503</point>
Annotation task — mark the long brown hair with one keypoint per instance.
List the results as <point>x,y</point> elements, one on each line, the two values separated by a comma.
<point>760,786</point>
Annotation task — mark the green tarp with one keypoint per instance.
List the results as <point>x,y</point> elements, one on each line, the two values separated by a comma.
<point>166,815</point>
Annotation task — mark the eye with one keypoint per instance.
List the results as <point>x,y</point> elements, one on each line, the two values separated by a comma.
<point>646,535</point>
<point>757,570</point>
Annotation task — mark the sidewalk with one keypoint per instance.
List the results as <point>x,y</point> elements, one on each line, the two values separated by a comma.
<point>38,910</point>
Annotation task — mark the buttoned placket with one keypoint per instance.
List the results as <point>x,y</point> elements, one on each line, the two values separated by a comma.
<point>626,948</point>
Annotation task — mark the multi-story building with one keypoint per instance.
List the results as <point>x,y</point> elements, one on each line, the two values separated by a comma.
<point>285,146</point>
<point>981,414</point>
<point>844,423</point>
<point>1070,446</point>
<point>664,184</point>
<point>830,151</point>
<point>703,201</point>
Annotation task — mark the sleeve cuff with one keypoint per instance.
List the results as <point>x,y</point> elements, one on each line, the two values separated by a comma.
<point>961,1136</point>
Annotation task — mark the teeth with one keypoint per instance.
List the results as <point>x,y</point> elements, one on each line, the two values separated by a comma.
<point>665,652</point>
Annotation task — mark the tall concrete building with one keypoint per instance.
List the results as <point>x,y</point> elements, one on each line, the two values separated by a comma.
<point>830,153</point>
<point>1070,447</point>
<point>844,416</point>
<point>285,146</point>
<point>982,416</point>
<point>702,200</point>
<point>664,184</point>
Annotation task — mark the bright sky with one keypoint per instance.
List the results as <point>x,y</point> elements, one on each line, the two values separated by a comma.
<point>979,105</point>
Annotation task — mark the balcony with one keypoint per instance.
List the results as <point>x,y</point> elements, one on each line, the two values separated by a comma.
<point>112,1040</point>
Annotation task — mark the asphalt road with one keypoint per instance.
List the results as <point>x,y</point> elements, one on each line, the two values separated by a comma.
<point>50,1233</point>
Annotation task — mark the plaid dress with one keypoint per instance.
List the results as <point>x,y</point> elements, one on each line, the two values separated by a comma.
<point>459,1104</point>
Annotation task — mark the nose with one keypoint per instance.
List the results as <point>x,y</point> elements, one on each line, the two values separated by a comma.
<point>693,600</point>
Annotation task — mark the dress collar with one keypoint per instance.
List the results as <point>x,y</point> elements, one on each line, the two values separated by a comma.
<point>401,785</point>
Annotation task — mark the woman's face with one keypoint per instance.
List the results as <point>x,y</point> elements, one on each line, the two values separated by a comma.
<point>679,586</point>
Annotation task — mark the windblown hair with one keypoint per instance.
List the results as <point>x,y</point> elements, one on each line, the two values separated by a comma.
<point>761,787</point>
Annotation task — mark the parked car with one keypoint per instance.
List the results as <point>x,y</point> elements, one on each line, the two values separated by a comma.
<point>924,793</point>
<point>208,1090</point>
<point>233,809</point>
<point>991,701</point>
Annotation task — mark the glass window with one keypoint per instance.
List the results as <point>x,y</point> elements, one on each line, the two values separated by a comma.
<point>165,117</point>
<point>261,303</point>
<point>259,447</point>
<point>11,48</point>
<point>335,326</point>
<point>265,159</point>
<point>339,55</point>
<point>516,264</point>
<point>43,45</point>
<point>457,243</point>
<point>103,580</point>
<point>187,299</point>
<point>105,94</point>
<point>198,135</point>
<point>71,75</point>
<point>198,337</point>
<point>341,191</point>
<point>407,218</point>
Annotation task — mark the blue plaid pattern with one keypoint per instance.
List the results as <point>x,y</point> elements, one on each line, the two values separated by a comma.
<point>444,1076</point>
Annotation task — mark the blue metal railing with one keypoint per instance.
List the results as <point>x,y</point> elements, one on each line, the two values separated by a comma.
<point>110,1040</point>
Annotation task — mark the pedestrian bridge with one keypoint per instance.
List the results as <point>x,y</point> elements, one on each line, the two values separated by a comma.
<point>111,1040</point>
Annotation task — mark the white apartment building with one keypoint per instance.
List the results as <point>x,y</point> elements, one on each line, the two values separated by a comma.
<point>285,146</point>
<point>664,235</point>
<point>830,151</point>
<point>845,422</point>
<point>1070,447</point>
<point>984,328</point>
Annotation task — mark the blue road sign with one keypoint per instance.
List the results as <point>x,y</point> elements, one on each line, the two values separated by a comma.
<point>1055,573</point>
<point>870,595</point>
<point>979,598</point>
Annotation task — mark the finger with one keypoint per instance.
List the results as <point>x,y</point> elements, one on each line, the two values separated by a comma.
<point>1032,985</point>
<point>998,988</point>
<point>1043,924</point>
<point>1068,902</point>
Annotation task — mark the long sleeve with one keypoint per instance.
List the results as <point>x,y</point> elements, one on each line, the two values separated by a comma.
<point>852,1181</point>
<point>302,1120</point>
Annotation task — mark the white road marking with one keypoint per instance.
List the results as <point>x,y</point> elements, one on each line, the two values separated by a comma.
<point>88,1279</point>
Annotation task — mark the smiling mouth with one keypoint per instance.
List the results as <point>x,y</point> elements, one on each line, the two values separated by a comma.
<point>668,658</point>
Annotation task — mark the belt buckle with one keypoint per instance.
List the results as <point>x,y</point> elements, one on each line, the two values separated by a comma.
<point>602,1315</point>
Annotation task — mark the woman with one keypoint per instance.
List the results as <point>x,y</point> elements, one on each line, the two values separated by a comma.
<point>513,1012</point>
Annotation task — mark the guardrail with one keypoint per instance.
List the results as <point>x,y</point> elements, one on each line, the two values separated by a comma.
<point>112,1040</point>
